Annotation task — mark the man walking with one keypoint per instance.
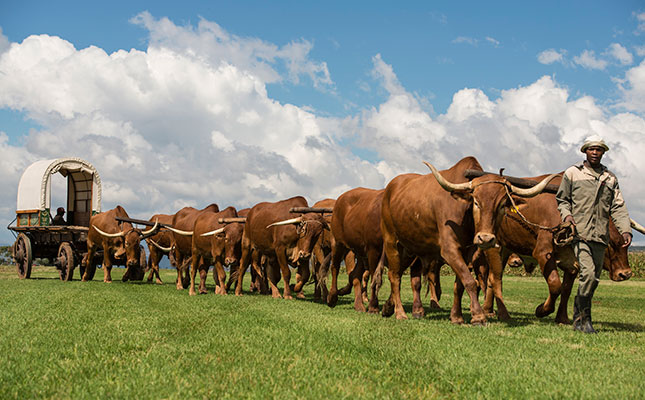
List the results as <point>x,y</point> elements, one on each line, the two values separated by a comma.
<point>588,196</point>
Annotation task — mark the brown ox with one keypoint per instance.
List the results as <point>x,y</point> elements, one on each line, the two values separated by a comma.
<point>321,250</point>
<point>159,245</point>
<point>525,233</point>
<point>440,218</point>
<point>120,244</point>
<point>321,259</point>
<point>273,231</point>
<point>183,223</point>
<point>356,226</point>
<point>233,231</point>
<point>210,248</point>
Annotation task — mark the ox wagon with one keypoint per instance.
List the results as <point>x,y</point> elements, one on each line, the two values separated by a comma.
<point>35,233</point>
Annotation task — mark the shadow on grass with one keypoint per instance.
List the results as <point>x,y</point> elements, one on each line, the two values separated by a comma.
<point>619,327</point>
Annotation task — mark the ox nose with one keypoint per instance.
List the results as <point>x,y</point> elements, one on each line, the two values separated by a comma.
<point>623,276</point>
<point>484,240</point>
<point>515,263</point>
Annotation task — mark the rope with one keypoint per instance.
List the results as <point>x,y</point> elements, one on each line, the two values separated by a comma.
<point>563,233</point>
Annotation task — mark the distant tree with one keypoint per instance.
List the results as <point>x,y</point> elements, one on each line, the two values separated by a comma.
<point>5,255</point>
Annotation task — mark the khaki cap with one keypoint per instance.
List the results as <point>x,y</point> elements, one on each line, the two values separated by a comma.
<point>594,140</point>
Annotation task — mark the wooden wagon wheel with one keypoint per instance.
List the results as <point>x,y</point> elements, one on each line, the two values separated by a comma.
<point>66,262</point>
<point>23,256</point>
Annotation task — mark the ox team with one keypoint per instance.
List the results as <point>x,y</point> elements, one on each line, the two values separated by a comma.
<point>420,221</point>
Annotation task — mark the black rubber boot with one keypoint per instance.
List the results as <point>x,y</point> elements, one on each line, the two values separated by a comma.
<point>585,313</point>
<point>577,319</point>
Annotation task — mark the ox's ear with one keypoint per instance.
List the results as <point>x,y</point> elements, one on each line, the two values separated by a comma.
<point>519,201</point>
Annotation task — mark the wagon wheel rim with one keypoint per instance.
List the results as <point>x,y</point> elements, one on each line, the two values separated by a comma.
<point>23,256</point>
<point>66,262</point>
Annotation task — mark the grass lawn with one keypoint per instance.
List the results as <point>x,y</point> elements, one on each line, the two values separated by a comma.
<point>138,340</point>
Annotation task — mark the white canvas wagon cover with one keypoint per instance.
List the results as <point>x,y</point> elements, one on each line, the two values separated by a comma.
<point>34,189</point>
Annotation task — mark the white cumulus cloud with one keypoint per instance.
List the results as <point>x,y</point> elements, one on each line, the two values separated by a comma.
<point>587,59</point>
<point>633,89</point>
<point>621,54</point>
<point>551,56</point>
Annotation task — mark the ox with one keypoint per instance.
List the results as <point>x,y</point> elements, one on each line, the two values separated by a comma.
<point>210,248</point>
<point>321,250</point>
<point>183,223</point>
<point>273,231</point>
<point>436,219</point>
<point>232,232</point>
<point>528,231</point>
<point>120,244</point>
<point>159,245</point>
<point>321,257</point>
<point>356,226</point>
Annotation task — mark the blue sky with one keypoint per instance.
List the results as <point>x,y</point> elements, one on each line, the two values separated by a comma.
<point>370,87</point>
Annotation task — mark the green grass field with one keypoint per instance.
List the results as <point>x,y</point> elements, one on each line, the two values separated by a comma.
<point>138,340</point>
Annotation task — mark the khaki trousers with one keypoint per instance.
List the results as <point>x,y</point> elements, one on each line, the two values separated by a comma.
<point>590,255</point>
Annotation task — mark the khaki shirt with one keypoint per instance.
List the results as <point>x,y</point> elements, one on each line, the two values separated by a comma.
<point>592,198</point>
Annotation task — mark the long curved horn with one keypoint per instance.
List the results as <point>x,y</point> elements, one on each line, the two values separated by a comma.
<point>448,186</point>
<point>637,226</point>
<point>110,235</point>
<point>211,233</point>
<point>535,190</point>
<point>180,232</point>
<point>160,247</point>
<point>232,220</point>
<point>150,231</point>
<point>286,222</point>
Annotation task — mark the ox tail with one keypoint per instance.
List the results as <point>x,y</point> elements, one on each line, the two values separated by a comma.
<point>233,276</point>
<point>377,279</point>
<point>323,271</point>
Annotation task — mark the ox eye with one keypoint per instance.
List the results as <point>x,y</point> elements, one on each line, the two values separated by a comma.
<point>476,204</point>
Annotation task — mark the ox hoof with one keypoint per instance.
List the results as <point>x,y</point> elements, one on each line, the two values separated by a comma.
<point>359,308</point>
<point>332,299</point>
<point>300,295</point>
<point>388,309</point>
<point>478,322</point>
<point>192,293</point>
<point>373,310</point>
<point>418,315</point>
<point>401,316</point>
<point>106,281</point>
<point>540,311</point>
<point>288,297</point>
<point>434,305</point>
<point>563,321</point>
<point>504,316</point>
<point>159,282</point>
<point>203,292</point>
<point>457,320</point>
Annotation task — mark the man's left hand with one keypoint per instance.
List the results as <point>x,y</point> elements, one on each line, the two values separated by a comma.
<point>627,237</point>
